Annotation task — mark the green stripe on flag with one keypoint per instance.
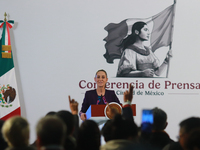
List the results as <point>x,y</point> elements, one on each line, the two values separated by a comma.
<point>11,21</point>
<point>5,63</point>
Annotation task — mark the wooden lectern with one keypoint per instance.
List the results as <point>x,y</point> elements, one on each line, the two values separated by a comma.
<point>96,113</point>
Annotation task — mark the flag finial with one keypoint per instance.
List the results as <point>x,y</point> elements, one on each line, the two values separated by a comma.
<point>5,16</point>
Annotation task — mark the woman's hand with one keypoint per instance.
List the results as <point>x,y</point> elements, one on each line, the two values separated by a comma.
<point>148,72</point>
<point>83,116</point>
<point>169,54</point>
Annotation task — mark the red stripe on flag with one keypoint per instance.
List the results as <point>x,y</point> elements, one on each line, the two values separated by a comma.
<point>2,25</point>
<point>16,112</point>
<point>7,25</point>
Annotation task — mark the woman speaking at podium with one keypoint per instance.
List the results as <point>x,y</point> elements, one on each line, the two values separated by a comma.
<point>98,96</point>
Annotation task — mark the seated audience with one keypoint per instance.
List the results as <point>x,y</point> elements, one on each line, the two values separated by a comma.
<point>159,138</point>
<point>15,131</point>
<point>74,110</point>
<point>88,136</point>
<point>122,134</point>
<point>50,131</point>
<point>71,120</point>
<point>51,113</point>
<point>3,143</point>
<point>186,126</point>
<point>193,140</point>
<point>121,131</point>
<point>106,131</point>
<point>68,119</point>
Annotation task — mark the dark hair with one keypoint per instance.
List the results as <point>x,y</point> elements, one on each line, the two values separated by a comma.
<point>130,39</point>
<point>159,119</point>
<point>193,139</point>
<point>51,131</point>
<point>68,119</point>
<point>106,131</point>
<point>101,70</point>
<point>190,123</point>
<point>51,113</point>
<point>88,136</point>
<point>3,143</point>
<point>123,128</point>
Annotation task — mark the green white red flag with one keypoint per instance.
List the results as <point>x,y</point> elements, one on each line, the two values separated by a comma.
<point>9,98</point>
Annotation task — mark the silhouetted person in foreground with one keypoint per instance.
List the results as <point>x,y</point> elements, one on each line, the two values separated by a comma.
<point>159,137</point>
<point>3,143</point>
<point>15,131</point>
<point>88,136</point>
<point>50,131</point>
<point>68,119</point>
<point>106,131</point>
<point>121,132</point>
<point>186,126</point>
<point>50,113</point>
<point>71,121</point>
<point>193,140</point>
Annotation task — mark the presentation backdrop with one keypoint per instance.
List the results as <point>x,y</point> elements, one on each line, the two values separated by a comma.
<point>59,45</point>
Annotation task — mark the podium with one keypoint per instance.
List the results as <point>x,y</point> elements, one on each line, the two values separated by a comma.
<point>96,113</point>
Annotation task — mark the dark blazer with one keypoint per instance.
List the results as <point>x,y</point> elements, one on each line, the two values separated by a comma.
<point>91,98</point>
<point>21,148</point>
<point>173,146</point>
<point>127,112</point>
<point>160,139</point>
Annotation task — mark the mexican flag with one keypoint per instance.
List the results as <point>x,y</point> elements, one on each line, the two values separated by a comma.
<point>9,98</point>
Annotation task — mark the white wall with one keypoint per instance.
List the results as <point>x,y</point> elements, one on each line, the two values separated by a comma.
<point>58,43</point>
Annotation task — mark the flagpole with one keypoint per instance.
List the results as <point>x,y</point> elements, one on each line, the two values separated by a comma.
<point>170,45</point>
<point>5,17</point>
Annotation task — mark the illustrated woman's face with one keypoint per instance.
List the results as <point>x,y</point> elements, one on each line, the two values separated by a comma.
<point>144,34</point>
<point>101,79</point>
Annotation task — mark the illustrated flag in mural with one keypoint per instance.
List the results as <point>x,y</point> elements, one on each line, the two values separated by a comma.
<point>9,99</point>
<point>160,27</point>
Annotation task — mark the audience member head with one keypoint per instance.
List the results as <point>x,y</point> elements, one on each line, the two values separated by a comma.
<point>51,113</point>
<point>15,131</point>
<point>3,143</point>
<point>159,119</point>
<point>106,131</point>
<point>88,136</point>
<point>123,129</point>
<point>68,119</point>
<point>193,140</point>
<point>186,126</point>
<point>50,130</point>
